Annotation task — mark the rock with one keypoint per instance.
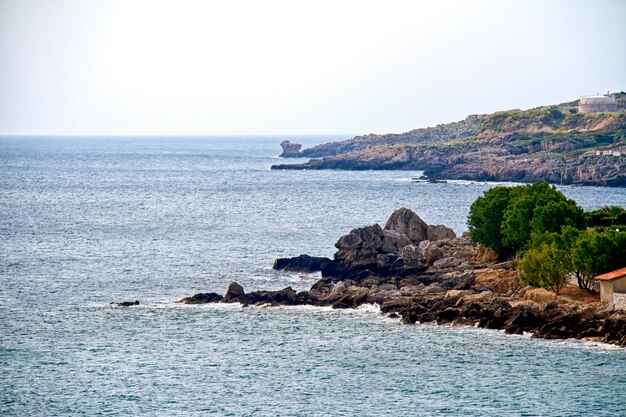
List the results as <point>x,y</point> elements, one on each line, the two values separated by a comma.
<point>386,261</point>
<point>302,263</point>
<point>411,256</point>
<point>234,293</point>
<point>430,251</point>
<point>356,256</point>
<point>290,149</point>
<point>406,222</point>
<point>125,303</point>
<point>447,263</point>
<point>286,296</point>
<point>202,298</point>
<point>435,288</point>
<point>457,293</point>
<point>506,284</point>
<point>439,232</point>
<point>370,282</point>
<point>394,241</point>
<point>540,295</point>
<point>359,247</point>
<point>457,280</point>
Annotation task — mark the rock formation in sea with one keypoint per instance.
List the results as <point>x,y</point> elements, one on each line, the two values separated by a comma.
<point>423,273</point>
<point>290,149</point>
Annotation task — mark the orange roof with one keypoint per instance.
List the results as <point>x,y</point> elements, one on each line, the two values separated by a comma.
<point>610,276</point>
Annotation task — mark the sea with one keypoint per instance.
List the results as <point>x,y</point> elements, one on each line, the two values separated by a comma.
<point>86,221</point>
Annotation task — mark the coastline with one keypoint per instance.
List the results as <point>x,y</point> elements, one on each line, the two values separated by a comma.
<point>444,279</point>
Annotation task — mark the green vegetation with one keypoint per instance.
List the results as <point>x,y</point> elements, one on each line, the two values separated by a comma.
<point>554,236</point>
<point>544,267</point>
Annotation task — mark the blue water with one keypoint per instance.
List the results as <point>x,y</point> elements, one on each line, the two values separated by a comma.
<point>87,221</point>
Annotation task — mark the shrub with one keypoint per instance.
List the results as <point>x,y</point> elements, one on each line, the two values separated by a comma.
<point>544,267</point>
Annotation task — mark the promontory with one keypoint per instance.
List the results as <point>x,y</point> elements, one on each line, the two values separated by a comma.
<point>566,143</point>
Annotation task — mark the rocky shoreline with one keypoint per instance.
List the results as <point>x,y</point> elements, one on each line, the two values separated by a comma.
<point>556,144</point>
<point>423,273</point>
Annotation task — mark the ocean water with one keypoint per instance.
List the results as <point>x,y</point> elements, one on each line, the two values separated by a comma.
<point>87,221</point>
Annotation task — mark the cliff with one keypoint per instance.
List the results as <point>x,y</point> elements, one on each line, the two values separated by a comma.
<point>552,143</point>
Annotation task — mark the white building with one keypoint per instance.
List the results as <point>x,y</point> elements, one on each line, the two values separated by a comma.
<point>590,104</point>
<point>613,288</point>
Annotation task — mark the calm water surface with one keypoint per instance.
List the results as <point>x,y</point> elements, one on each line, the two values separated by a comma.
<point>87,221</point>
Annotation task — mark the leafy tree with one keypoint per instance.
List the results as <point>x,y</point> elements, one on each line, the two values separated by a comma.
<point>606,216</point>
<point>544,267</point>
<point>485,219</point>
<point>597,251</point>
<point>537,208</point>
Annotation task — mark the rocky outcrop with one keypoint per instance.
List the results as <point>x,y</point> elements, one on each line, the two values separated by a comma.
<point>124,303</point>
<point>202,298</point>
<point>447,280</point>
<point>546,144</point>
<point>406,222</point>
<point>290,149</point>
<point>392,251</point>
<point>302,263</point>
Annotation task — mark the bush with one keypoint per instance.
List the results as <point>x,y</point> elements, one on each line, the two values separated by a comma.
<point>544,267</point>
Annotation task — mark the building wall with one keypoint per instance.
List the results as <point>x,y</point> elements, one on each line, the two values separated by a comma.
<point>597,107</point>
<point>619,285</point>
<point>606,291</point>
<point>619,301</point>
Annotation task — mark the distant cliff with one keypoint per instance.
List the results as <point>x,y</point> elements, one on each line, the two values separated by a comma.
<point>552,143</point>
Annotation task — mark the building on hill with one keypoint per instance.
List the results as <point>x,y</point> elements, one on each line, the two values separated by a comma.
<point>612,152</point>
<point>613,288</point>
<point>590,104</point>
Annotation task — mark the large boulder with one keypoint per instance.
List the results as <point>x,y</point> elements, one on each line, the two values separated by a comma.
<point>394,241</point>
<point>360,246</point>
<point>302,263</point>
<point>234,293</point>
<point>406,222</point>
<point>431,251</point>
<point>439,232</point>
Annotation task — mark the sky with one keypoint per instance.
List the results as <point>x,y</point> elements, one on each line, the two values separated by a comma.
<point>134,67</point>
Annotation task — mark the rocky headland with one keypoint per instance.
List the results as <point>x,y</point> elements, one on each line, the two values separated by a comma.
<point>424,273</point>
<point>556,143</point>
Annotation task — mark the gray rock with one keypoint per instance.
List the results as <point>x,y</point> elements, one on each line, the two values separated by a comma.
<point>290,149</point>
<point>408,223</point>
<point>411,256</point>
<point>446,263</point>
<point>394,241</point>
<point>439,232</point>
<point>430,252</point>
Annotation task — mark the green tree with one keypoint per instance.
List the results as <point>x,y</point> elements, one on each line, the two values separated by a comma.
<point>544,267</point>
<point>596,251</point>
<point>485,219</point>
<point>606,216</point>
<point>537,208</point>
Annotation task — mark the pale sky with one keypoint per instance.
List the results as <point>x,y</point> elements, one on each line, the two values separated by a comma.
<point>295,67</point>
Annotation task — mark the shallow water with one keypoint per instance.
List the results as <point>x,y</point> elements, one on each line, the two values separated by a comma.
<point>87,221</point>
